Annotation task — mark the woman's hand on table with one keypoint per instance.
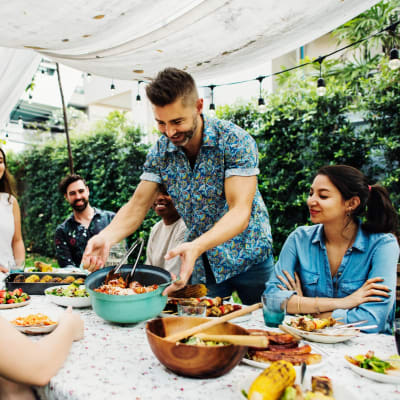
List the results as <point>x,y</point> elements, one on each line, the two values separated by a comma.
<point>290,283</point>
<point>368,292</point>
<point>73,320</point>
<point>96,253</point>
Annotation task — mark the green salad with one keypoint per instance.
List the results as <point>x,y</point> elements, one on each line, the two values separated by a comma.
<point>72,290</point>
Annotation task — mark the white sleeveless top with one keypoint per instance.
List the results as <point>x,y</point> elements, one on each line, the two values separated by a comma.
<point>7,229</point>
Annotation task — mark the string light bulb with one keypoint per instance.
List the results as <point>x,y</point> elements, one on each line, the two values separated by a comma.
<point>321,87</point>
<point>394,62</point>
<point>261,102</point>
<point>89,77</point>
<point>212,105</point>
<point>20,122</point>
<point>30,98</point>
<point>112,87</point>
<point>138,98</point>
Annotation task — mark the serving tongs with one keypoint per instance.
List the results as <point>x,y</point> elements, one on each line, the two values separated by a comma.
<point>177,336</point>
<point>114,273</point>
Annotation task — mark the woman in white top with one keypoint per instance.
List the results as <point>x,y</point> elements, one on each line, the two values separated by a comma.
<point>11,244</point>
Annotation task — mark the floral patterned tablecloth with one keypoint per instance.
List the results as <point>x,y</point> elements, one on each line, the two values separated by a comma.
<point>116,362</point>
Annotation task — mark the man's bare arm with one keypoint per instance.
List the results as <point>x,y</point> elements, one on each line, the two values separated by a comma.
<point>126,221</point>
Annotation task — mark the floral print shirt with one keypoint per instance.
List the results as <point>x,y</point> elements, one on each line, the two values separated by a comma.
<point>199,197</point>
<point>71,237</point>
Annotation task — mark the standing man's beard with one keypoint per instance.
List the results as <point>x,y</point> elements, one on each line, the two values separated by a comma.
<point>80,207</point>
<point>187,135</point>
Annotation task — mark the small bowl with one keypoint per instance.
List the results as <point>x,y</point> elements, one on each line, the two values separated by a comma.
<point>188,309</point>
<point>66,301</point>
<point>189,360</point>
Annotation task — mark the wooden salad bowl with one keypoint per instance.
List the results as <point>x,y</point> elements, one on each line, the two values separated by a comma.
<point>190,360</point>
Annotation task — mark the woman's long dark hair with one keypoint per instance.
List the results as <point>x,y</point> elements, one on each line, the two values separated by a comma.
<point>7,184</point>
<point>375,205</point>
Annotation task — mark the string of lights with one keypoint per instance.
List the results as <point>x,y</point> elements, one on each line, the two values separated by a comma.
<point>394,63</point>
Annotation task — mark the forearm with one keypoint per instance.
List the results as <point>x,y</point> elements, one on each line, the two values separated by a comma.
<point>313,305</point>
<point>129,218</point>
<point>34,363</point>
<point>18,250</point>
<point>234,222</point>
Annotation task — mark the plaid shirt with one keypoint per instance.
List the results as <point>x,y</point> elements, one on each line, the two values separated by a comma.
<point>71,237</point>
<point>199,197</point>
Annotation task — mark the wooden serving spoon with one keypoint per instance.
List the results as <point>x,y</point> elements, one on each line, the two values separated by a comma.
<point>240,340</point>
<point>176,337</point>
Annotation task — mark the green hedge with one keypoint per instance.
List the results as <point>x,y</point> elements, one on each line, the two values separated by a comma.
<point>110,158</point>
<point>298,133</point>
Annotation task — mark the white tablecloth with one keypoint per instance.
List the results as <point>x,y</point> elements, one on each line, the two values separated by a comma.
<point>116,362</point>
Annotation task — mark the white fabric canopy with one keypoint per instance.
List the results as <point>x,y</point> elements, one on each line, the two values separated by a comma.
<point>16,70</point>
<point>133,39</point>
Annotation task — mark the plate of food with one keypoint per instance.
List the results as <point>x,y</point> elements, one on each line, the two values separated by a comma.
<point>287,386</point>
<point>73,295</point>
<point>282,346</point>
<point>216,307</point>
<point>34,324</point>
<point>13,298</point>
<point>375,368</point>
<point>322,330</point>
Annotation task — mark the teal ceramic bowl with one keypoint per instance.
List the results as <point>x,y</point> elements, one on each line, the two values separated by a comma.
<point>131,308</point>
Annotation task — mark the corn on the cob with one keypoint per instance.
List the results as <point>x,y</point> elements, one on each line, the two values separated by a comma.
<point>198,290</point>
<point>273,381</point>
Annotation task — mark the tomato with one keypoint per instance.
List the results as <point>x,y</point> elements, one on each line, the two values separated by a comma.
<point>16,292</point>
<point>3,294</point>
<point>10,301</point>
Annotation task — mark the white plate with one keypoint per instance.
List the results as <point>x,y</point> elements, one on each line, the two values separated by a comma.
<point>263,365</point>
<point>340,392</point>
<point>77,302</point>
<point>376,376</point>
<point>35,329</point>
<point>338,336</point>
<point>15,305</point>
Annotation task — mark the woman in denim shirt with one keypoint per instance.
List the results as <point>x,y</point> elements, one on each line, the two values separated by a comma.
<point>341,267</point>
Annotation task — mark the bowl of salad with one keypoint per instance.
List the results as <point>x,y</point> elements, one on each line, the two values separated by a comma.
<point>193,357</point>
<point>73,295</point>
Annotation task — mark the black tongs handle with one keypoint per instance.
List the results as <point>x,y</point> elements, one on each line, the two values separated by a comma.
<point>129,278</point>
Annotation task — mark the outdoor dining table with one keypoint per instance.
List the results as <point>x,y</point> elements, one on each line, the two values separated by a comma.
<point>115,362</point>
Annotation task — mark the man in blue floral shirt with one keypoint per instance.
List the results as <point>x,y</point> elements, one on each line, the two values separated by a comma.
<point>72,235</point>
<point>209,167</point>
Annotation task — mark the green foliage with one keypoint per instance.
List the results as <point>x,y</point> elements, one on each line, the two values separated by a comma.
<point>300,132</point>
<point>110,158</point>
<point>371,21</point>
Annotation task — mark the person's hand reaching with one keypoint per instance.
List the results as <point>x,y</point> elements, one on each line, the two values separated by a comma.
<point>73,320</point>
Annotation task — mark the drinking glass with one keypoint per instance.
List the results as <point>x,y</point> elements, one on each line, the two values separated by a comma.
<point>16,266</point>
<point>117,252</point>
<point>188,309</point>
<point>274,309</point>
<point>397,334</point>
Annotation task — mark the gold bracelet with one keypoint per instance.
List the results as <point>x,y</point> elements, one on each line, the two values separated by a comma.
<point>316,306</point>
<point>298,304</point>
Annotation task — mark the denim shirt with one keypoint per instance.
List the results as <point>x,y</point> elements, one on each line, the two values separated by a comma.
<point>198,194</point>
<point>71,237</point>
<point>372,255</point>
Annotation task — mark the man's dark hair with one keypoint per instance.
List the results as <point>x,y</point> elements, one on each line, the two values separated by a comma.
<point>65,182</point>
<point>171,84</point>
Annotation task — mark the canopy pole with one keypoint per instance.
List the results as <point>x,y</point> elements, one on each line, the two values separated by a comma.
<point>71,161</point>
